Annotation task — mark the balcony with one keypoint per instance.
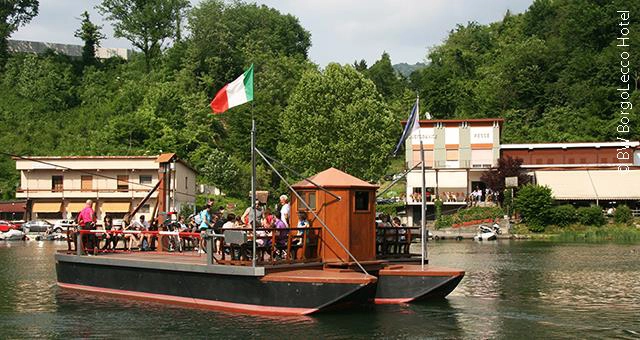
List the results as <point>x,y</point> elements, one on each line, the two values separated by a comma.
<point>83,193</point>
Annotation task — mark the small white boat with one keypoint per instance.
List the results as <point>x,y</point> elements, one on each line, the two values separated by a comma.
<point>487,233</point>
<point>12,235</point>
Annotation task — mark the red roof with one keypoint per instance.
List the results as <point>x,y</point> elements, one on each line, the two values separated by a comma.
<point>333,177</point>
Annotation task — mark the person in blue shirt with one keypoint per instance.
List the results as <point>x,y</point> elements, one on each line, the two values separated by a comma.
<point>205,224</point>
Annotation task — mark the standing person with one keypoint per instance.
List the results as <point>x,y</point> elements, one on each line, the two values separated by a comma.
<point>86,221</point>
<point>247,216</point>
<point>285,210</point>
<point>205,224</point>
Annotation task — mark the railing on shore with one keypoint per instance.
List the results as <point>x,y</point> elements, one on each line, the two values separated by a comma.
<point>233,247</point>
<point>394,242</point>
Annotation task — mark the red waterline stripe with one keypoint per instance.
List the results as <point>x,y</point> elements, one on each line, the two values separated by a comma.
<point>193,302</point>
<point>385,301</point>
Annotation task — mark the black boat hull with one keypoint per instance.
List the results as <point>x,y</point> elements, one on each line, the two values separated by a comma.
<point>409,283</point>
<point>281,295</point>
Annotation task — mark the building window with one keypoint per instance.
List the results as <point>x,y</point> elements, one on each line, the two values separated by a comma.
<point>145,179</point>
<point>186,183</point>
<point>123,183</point>
<point>86,183</point>
<point>362,201</point>
<point>452,154</point>
<point>57,183</point>
<point>310,198</point>
<point>145,209</point>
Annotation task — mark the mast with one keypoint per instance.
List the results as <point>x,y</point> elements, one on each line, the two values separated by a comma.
<point>423,240</point>
<point>253,186</point>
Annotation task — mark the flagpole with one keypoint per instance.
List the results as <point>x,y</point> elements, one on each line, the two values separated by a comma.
<point>253,185</point>
<point>423,237</point>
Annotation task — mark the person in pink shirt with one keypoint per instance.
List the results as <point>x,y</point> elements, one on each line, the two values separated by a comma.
<point>86,221</point>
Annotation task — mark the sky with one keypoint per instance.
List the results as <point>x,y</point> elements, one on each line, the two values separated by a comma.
<point>341,30</point>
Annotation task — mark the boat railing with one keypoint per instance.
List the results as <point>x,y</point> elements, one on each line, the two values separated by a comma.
<point>274,246</point>
<point>395,242</point>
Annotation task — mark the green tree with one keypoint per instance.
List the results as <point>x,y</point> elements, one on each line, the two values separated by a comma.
<point>13,14</point>
<point>91,35</point>
<point>222,171</point>
<point>534,202</point>
<point>336,118</point>
<point>623,214</point>
<point>146,24</point>
<point>385,77</point>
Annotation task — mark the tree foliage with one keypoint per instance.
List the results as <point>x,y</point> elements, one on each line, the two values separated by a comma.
<point>146,24</point>
<point>336,118</point>
<point>13,14</point>
<point>533,203</point>
<point>91,35</point>
<point>507,167</point>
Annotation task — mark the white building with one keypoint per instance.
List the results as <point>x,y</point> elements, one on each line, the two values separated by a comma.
<point>456,153</point>
<point>57,187</point>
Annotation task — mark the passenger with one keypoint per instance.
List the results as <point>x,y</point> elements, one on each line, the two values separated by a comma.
<point>230,222</point>
<point>107,225</point>
<point>302,223</point>
<point>247,216</point>
<point>402,232</point>
<point>238,222</point>
<point>205,224</point>
<point>285,209</point>
<point>86,221</point>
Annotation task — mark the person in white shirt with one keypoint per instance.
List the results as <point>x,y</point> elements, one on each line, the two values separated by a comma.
<point>285,210</point>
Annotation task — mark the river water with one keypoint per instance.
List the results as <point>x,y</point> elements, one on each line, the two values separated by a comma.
<point>512,290</point>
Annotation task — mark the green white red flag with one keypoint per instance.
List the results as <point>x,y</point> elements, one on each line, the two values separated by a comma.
<point>235,93</point>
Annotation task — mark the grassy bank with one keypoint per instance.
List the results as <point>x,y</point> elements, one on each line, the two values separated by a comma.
<point>581,233</point>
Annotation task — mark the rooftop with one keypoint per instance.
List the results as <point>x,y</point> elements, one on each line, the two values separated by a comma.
<point>333,177</point>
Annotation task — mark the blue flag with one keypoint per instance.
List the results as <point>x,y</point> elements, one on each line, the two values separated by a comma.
<point>413,124</point>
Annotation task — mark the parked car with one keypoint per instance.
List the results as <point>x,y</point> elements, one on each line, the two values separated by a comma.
<point>6,226</point>
<point>38,226</point>
<point>61,226</point>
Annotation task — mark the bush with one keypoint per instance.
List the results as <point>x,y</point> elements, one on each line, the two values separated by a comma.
<point>591,216</point>
<point>445,221</point>
<point>533,202</point>
<point>623,214</point>
<point>438,208</point>
<point>479,213</point>
<point>562,215</point>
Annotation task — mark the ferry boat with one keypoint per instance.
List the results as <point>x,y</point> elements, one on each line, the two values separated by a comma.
<point>335,262</point>
<point>318,271</point>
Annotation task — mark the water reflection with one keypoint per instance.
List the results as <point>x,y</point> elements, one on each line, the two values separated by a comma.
<point>511,290</point>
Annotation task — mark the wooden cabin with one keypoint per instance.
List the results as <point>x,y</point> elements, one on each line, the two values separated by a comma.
<point>351,218</point>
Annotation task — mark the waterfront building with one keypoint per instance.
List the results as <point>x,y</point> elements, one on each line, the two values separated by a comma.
<point>56,188</point>
<point>583,173</point>
<point>456,153</point>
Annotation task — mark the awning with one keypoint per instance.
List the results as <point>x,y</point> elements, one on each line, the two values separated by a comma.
<point>452,179</point>
<point>115,207</point>
<point>616,185</point>
<point>75,207</point>
<point>414,179</point>
<point>591,184</point>
<point>12,207</point>
<point>46,207</point>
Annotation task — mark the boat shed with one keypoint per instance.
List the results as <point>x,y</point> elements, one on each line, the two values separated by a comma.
<point>350,214</point>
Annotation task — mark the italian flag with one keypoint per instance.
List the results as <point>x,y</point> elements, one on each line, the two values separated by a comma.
<point>235,93</point>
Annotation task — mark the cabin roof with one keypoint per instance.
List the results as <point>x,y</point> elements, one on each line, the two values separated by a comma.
<point>334,178</point>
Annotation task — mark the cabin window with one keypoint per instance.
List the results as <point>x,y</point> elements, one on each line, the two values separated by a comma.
<point>310,198</point>
<point>123,183</point>
<point>362,201</point>
<point>145,209</point>
<point>145,179</point>
<point>86,183</point>
<point>57,183</point>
